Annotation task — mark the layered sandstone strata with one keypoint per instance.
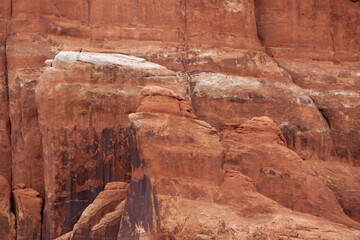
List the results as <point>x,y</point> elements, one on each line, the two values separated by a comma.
<point>268,47</point>
<point>223,99</point>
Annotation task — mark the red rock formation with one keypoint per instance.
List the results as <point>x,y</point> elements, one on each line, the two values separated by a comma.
<point>334,89</point>
<point>174,194</point>
<point>258,150</point>
<point>222,99</point>
<point>28,210</point>
<point>294,62</point>
<point>321,30</point>
<point>83,103</point>
<point>7,218</point>
<point>101,219</point>
<point>344,182</point>
<point>5,145</point>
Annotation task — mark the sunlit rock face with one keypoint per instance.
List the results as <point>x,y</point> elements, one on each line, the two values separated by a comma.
<point>162,95</point>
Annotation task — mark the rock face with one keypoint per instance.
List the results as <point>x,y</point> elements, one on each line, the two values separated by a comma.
<point>28,210</point>
<point>321,30</point>
<point>7,218</point>
<point>258,150</point>
<point>101,219</point>
<point>222,99</point>
<point>183,71</point>
<point>88,96</point>
<point>5,145</point>
<point>180,202</point>
<point>344,182</point>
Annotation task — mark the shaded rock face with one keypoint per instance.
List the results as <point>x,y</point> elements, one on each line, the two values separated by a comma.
<point>101,219</point>
<point>344,182</point>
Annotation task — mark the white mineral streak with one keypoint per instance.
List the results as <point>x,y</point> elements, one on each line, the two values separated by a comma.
<point>103,59</point>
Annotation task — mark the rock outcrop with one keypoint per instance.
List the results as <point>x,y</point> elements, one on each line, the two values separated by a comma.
<point>170,197</point>
<point>182,70</point>
<point>223,99</point>
<point>28,210</point>
<point>101,219</point>
<point>83,103</point>
<point>258,150</point>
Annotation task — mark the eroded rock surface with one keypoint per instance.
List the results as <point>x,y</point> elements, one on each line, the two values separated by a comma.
<point>83,102</point>
<point>28,211</point>
<point>258,150</point>
<point>169,197</point>
<point>64,133</point>
<point>224,99</point>
<point>101,219</point>
<point>7,218</point>
<point>344,181</point>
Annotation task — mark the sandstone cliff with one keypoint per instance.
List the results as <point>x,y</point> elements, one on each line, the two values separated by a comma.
<point>162,95</point>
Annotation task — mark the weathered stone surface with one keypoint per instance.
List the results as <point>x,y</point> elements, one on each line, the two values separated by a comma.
<point>190,36</point>
<point>222,99</point>
<point>28,211</point>
<point>5,145</point>
<point>169,197</point>
<point>344,182</point>
<point>83,103</point>
<point>7,218</point>
<point>334,88</point>
<point>258,150</point>
<point>320,30</point>
<point>101,219</point>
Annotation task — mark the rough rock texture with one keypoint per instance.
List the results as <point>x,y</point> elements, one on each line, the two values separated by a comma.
<point>319,30</point>
<point>101,219</point>
<point>5,145</point>
<point>7,218</point>
<point>258,150</point>
<point>223,99</point>
<point>334,88</point>
<point>170,198</point>
<point>83,103</point>
<point>344,182</point>
<point>63,123</point>
<point>28,210</point>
